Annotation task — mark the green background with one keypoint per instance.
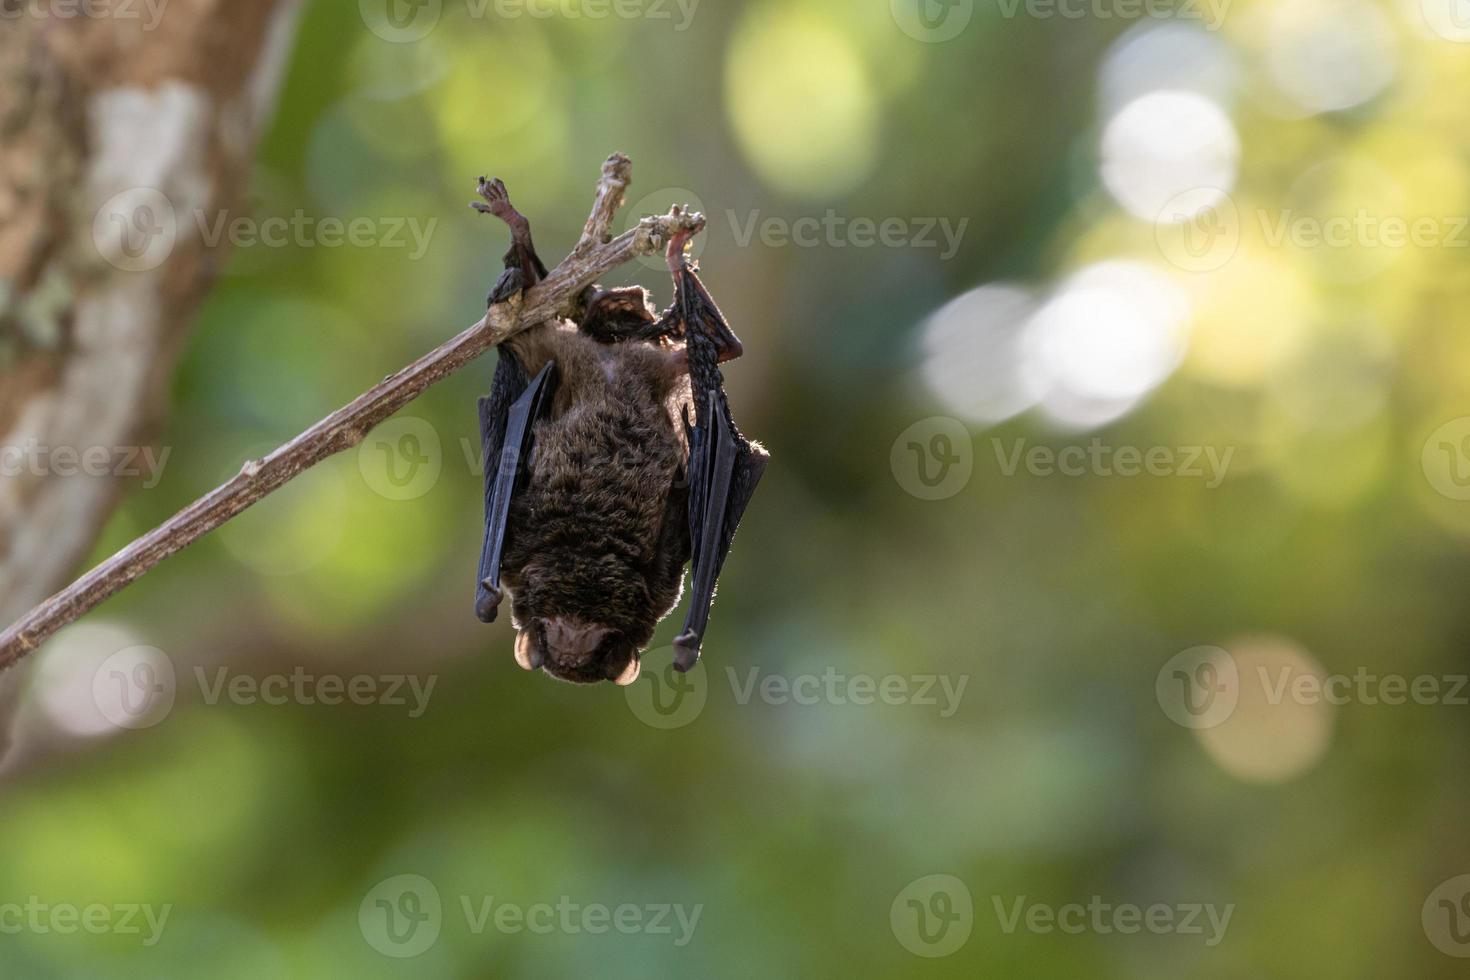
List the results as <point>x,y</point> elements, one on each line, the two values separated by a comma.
<point>797,824</point>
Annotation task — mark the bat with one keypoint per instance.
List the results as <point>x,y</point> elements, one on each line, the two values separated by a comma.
<point>611,463</point>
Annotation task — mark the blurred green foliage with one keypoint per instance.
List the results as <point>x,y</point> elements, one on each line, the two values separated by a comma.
<point>796,827</point>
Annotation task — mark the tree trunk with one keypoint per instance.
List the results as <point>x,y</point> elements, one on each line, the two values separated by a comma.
<point>115,131</point>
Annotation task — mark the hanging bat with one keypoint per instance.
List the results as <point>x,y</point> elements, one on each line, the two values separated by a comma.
<point>611,461</point>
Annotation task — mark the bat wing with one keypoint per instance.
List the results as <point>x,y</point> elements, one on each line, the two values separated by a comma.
<point>724,466</point>
<point>507,425</point>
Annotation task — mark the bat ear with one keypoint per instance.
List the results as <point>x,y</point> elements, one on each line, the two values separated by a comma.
<point>629,673</point>
<point>529,653</point>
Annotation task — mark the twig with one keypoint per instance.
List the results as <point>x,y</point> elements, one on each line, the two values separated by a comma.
<point>553,297</point>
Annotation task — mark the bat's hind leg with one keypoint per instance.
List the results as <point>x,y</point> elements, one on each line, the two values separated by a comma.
<point>523,267</point>
<point>694,304</point>
<point>724,466</point>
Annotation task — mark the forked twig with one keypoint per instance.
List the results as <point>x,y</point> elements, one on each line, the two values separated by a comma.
<point>595,254</point>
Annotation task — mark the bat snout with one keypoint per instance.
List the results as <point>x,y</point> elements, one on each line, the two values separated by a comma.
<point>570,642</point>
<point>577,652</point>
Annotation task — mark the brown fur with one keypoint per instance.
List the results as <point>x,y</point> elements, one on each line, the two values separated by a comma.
<point>599,536</point>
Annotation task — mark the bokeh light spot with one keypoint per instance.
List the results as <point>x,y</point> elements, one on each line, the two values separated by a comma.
<point>1114,331</point>
<point>974,354</point>
<point>1329,55</point>
<point>801,102</point>
<point>1163,144</point>
<point>1275,732</point>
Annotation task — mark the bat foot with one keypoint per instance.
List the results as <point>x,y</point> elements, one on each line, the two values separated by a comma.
<point>497,202</point>
<point>512,283</point>
<point>678,242</point>
<point>686,651</point>
<point>487,604</point>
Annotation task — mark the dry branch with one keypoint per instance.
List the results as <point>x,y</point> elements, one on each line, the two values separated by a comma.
<point>595,254</point>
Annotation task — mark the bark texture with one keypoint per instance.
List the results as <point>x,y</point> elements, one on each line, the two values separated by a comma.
<point>114,132</point>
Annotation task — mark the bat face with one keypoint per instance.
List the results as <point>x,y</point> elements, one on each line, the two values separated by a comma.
<point>582,620</point>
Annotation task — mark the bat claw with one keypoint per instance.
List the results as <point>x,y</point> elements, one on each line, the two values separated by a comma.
<point>487,605</point>
<point>686,651</point>
<point>496,201</point>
